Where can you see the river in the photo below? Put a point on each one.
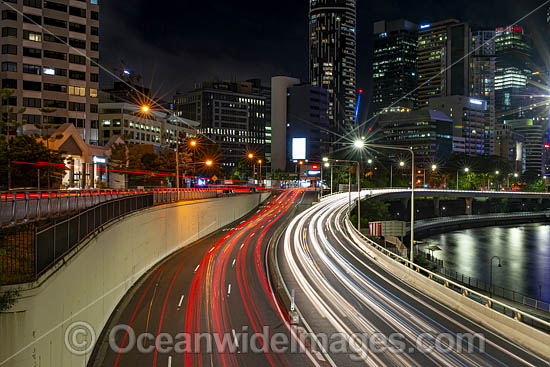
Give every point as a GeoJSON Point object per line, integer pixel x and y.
{"type": "Point", "coordinates": [524, 250]}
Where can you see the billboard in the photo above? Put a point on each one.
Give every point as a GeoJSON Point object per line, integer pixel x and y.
{"type": "Point", "coordinates": [298, 148]}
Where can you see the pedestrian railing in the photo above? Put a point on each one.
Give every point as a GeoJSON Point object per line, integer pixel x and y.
{"type": "Point", "coordinates": [27, 206]}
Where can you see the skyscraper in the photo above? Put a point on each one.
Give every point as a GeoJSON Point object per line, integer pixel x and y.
{"type": "Point", "coordinates": [482, 80]}
{"type": "Point", "coordinates": [49, 59]}
{"type": "Point", "coordinates": [332, 57]}
{"type": "Point", "coordinates": [432, 42]}
{"type": "Point", "coordinates": [394, 70]}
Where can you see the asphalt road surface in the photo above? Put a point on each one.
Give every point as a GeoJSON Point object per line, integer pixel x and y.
{"type": "Point", "coordinates": [340, 291]}
{"type": "Point", "coordinates": [217, 287]}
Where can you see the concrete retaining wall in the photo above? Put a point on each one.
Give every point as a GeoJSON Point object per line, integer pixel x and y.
{"type": "Point", "coordinates": [93, 279]}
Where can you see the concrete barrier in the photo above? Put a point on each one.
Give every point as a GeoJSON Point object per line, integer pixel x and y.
{"type": "Point", "coordinates": [91, 280]}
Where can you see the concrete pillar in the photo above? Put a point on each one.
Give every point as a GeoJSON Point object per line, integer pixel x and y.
{"type": "Point", "coordinates": [469, 204]}
{"type": "Point", "coordinates": [437, 210]}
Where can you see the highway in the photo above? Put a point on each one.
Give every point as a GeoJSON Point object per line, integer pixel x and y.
{"type": "Point", "coordinates": [340, 290]}
{"type": "Point", "coordinates": [217, 286]}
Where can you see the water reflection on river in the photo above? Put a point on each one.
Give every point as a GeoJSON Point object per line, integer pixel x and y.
{"type": "Point", "coordinates": [524, 250]}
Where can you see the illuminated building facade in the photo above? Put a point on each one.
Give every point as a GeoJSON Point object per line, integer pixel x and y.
{"type": "Point", "coordinates": [49, 58]}
{"type": "Point", "coordinates": [394, 70]}
{"type": "Point", "coordinates": [332, 57]}
{"type": "Point", "coordinates": [432, 42]}
{"type": "Point", "coordinates": [232, 114]}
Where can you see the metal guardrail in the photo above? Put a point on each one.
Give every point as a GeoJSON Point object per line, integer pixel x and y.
{"type": "Point", "coordinates": [27, 206]}
{"type": "Point", "coordinates": [496, 305]}
{"type": "Point", "coordinates": [421, 224]}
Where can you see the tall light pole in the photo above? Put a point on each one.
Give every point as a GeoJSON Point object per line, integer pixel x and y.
{"type": "Point", "coordinates": [491, 274]}
{"type": "Point", "coordinates": [360, 144]}
{"type": "Point", "coordinates": [466, 170]}
{"type": "Point", "coordinates": [260, 163]}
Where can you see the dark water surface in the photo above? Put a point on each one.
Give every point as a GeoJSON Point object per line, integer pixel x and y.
{"type": "Point", "coordinates": [524, 250]}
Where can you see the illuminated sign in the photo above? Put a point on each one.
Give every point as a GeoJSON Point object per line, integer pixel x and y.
{"type": "Point", "coordinates": [425, 26]}
{"type": "Point", "coordinates": [313, 172]}
{"type": "Point", "coordinates": [546, 146]}
{"type": "Point", "coordinates": [49, 71]}
{"type": "Point", "coordinates": [298, 148]}
{"type": "Point", "coordinates": [476, 101]}
{"type": "Point", "coordinates": [99, 160]}
{"type": "Point", "coordinates": [315, 166]}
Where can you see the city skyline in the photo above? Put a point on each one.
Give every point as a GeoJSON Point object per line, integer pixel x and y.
{"type": "Point", "coordinates": [229, 47]}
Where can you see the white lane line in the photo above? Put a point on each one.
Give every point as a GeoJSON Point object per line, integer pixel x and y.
{"type": "Point", "coordinates": [197, 268]}
{"type": "Point", "coordinates": [170, 361]}
{"type": "Point", "coordinates": [232, 265]}
{"type": "Point", "coordinates": [181, 300]}
{"type": "Point", "coordinates": [212, 249]}
{"type": "Point", "coordinates": [235, 338]}
{"type": "Point", "coordinates": [252, 235]}
{"type": "Point", "coordinates": [242, 245]}
{"type": "Point", "coordinates": [229, 290]}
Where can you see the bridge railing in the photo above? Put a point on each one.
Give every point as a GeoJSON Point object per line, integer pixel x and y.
{"type": "Point", "coordinates": [460, 289]}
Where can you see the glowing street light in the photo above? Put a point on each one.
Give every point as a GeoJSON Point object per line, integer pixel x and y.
{"type": "Point", "coordinates": [250, 155]}
{"type": "Point", "coordinates": [325, 159]}
{"type": "Point", "coordinates": [497, 173]}
{"type": "Point", "coordinates": [466, 170]}
{"type": "Point", "coordinates": [434, 167]}
{"type": "Point", "coordinates": [193, 143]}
{"type": "Point", "coordinates": [369, 161]}
{"type": "Point", "coordinates": [145, 109]}
{"type": "Point", "coordinates": [401, 164]}
{"type": "Point", "coordinates": [516, 175]}
{"type": "Point", "coordinates": [209, 163]}
{"type": "Point", "coordinates": [327, 164]}
{"type": "Point", "coordinates": [359, 144]}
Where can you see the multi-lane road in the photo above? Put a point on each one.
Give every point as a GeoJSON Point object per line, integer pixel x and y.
{"type": "Point", "coordinates": [211, 304]}
{"type": "Point", "coordinates": [339, 290]}
{"type": "Point", "coordinates": [217, 287]}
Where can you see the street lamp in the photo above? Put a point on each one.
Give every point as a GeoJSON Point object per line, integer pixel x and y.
{"type": "Point", "coordinates": [260, 163]}
{"type": "Point", "coordinates": [466, 170]}
{"type": "Point", "coordinates": [491, 275]}
{"type": "Point", "coordinates": [413, 170]}
{"type": "Point", "coordinates": [369, 161]}
{"type": "Point", "coordinates": [145, 109]}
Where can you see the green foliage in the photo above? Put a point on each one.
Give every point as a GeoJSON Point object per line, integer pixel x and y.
{"type": "Point", "coordinates": [27, 149]}
{"type": "Point", "coordinates": [374, 211]}
{"type": "Point", "coordinates": [537, 186]}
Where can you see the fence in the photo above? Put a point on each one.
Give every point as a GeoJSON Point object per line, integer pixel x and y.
{"type": "Point", "coordinates": [27, 206]}
{"type": "Point", "coordinates": [55, 240]}
{"type": "Point", "coordinates": [495, 290]}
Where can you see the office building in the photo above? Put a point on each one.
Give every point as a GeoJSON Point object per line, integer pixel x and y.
{"type": "Point", "coordinates": [49, 58]}
{"type": "Point", "coordinates": [394, 70]}
{"type": "Point", "coordinates": [482, 80]}
{"type": "Point", "coordinates": [232, 114]}
{"type": "Point", "coordinates": [432, 43]}
{"type": "Point", "coordinates": [332, 57]}
{"type": "Point", "coordinates": [428, 132]}
{"type": "Point", "coordinates": [533, 132]}
{"type": "Point", "coordinates": [456, 61]}
{"type": "Point", "coordinates": [513, 52]}
{"type": "Point", "coordinates": [157, 128]}
{"type": "Point", "coordinates": [299, 111]}
{"type": "Point", "coordinates": [468, 116]}
{"type": "Point", "coordinates": [510, 145]}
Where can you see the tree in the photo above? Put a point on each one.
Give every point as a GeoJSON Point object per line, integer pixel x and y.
{"type": "Point", "coordinates": [8, 126]}
{"type": "Point", "coordinates": [24, 148]}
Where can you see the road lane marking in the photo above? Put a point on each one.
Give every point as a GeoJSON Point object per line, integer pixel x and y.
{"type": "Point", "coordinates": [197, 268]}
{"type": "Point", "coordinates": [242, 245]}
{"type": "Point", "coordinates": [235, 338]}
{"type": "Point", "coordinates": [170, 361]}
{"type": "Point", "coordinates": [181, 300]}
{"type": "Point", "coordinates": [233, 262]}
{"type": "Point", "coordinates": [229, 290]}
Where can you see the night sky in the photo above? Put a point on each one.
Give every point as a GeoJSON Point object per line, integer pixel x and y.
{"type": "Point", "coordinates": [175, 43]}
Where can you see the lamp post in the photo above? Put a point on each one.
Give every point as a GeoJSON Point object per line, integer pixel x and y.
{"type": "Point", "coordinates": [413, 171]}
{"type": "Point", "coordinates": [491, 275]}
{"type": "Point", "coordinates": [466, 170]}
{"type": "Point", "coordinates": [260, 173]}
{"type": "Point", "coordinates": [326, 160]}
